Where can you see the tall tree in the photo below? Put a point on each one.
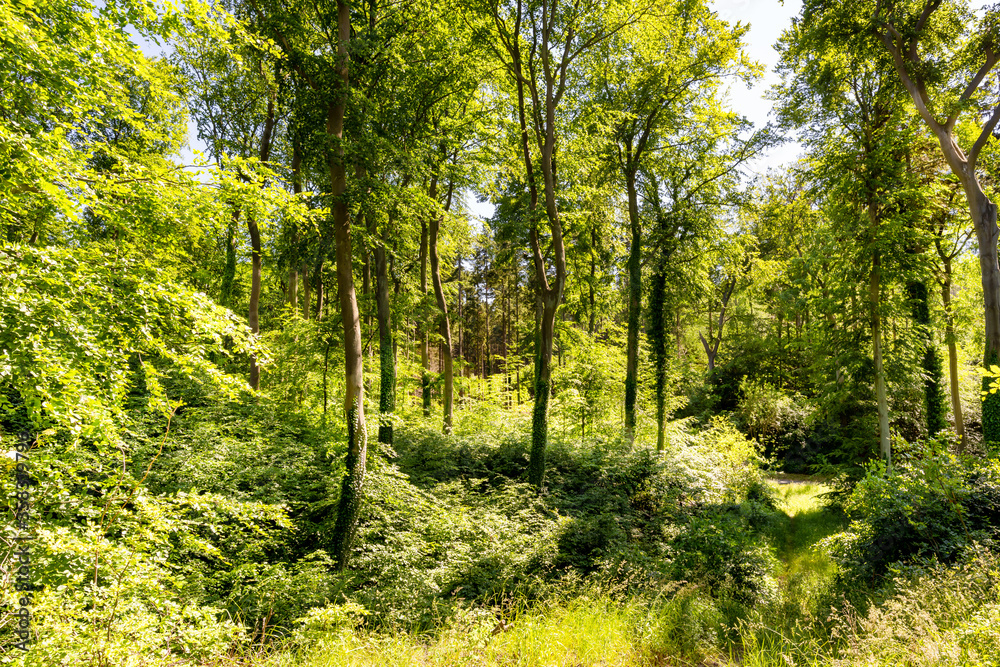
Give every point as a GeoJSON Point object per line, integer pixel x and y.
{"type": "Point", "coordinates": [326, 72]}
{"type": "Point", "coordinates": [539, 42]}
{"type": "Point", "coordinates": [942, 56]}
{"type": "Point", "coordinates": [851, 100]}
{"type": "Point", "coordinates": [649, 76]}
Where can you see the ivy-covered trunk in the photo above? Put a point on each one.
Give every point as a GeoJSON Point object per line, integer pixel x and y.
{"type": "Point", "coordinates": [352, 488]}
{"type": "Point", "coordinates": [543, 384]}
{"type": "Point", "coordinates": [874, 302]}
{"type": "Point", "coordinates": [634, 304]}
{"type": "Point", "coordinates": [658, 343]}
{"type": "Point", "coordinates": [934, 405]}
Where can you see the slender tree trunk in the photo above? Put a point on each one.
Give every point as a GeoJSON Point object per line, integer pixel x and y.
{"type": "Point", "coordinates": [634, 305]}
{"type": "Point", "coordinates": [949, 334]}
{"type": "Point", "coordinates": [934, 405]}
{"type": "Point", "coordinates": [293, 289]}
{"type": "Point", "coordinates": [306, 291]}
{"type": "Point", "coordinates": [592, 324]}
{"type": "Point", "coordinates": [366, 289]}
{"type": "Point", "coordinates": [386, 344]}
{"type": "Point", "coordinates": [253, 316]}
{"type": "Point", "coordinates": [354, 407]}
{"type": "Point", "coordinates": [293, 276]}
{"type": "Point", "coordinates": [320, 290]}
{"type": "Point", "coordinates": [425, 361]}
{"type": "Point", "coordinates": [874, 298]}
{"type": "Point", "coordinates": [445, 324]}
{"type": "Point", "coordinates": [461, 325]}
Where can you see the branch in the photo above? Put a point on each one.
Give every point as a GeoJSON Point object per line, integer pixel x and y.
{"type": "Point", "coordinates": [991, 60]}
{"type": "Point", "coordinates": [984, 137]}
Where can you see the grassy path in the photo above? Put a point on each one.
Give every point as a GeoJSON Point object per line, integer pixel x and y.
{"type": "Point", "coordinates": [805, 572]}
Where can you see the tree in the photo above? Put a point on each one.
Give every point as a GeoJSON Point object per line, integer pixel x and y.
{"type": "Point", "coordinates": [851, 101]}
{"type": "Point", "coordinates": [943, 62]}
{"type": "Point", "coordinates": [649, 78]}
{"type": "Point", "coordinates": [539, 42]}
{"type": "Point", "coordinates": [326, 72]}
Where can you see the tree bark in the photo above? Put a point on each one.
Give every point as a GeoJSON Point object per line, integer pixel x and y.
{"type": "Point", "coordinates": [658, 341]}
{"type": "Point", "coordinates": [445, 324]}
{"type": "Point", "coordinates": [253, 316]}
{"type": "Point", "coordinates": [425, 361]}
{"type": "Point", "coordinates": [592, 324]}
{"type": "Point", "coordinates": [907, 61]}
{"type": "Point", "coordinates": [352, 488]}
{"type": "Point", "coordinates": [293, 275]}
{"type": "Point", "coordinates": [874, 297]}
{"type": "Point", "coordinates": [949, 335]}
{"type": "Point", "coordinates": [634, 305]}
{"type": "Point", "coordinates": [306, 291]}
{"type": "Point", "coordinates": [934, 405]}
{"type": "Point", "coordinates": [386, 344]}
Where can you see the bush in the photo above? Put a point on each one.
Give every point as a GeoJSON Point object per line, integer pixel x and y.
{"type": "Point", "coordinates": [932, 507]}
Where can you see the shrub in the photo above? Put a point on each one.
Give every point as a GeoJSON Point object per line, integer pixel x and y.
{"type": "Point", "coordinates": [932, 506]}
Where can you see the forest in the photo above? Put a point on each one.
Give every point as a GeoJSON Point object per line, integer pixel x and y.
{"type": "Point", "coordinates": [486, 333]}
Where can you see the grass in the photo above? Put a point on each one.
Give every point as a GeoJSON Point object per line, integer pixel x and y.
{"type": "Point", "coordinates": [806, 573]}
{"type": "Point", "coordinates": [945, 616]}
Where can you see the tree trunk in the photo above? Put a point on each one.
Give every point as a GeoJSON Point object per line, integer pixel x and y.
{"type": "Point", "coordinates": [253, 316]}
{"type": "Point", "coordinates": [543, 382]}
{"type": "Point", "coordinates": [874, 297]}
{"type": "Point", "coordinates": [445, 324]}
{"type": "Point", "coordinates": [981, 208]}
{"type": "Point", "coordinates": [386, 345]}
{"type": "Point", "coordinates": [320, 290]}
{"type": "Point", "coordinates": [425, 361]}
{"type": "Point", "coordinates": [934, 405]}
{"type": "Point", "coordinates": [985, 219]}
{"type": "Point", "coordinates": [354, 407]}
{"type": "Point", "coordinates": [592, 324]}
{"type": "Point", "coordinates": [658, 341]}
{"type": "Point", "coordinates": [306, 291]}
{"type": "Point", "coordinates": [949, 335]}
{"type": "Point", "coordinates": [634, 304]}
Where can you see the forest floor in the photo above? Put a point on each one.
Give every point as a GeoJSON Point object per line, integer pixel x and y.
{"type": "Point", "coordinates": [592, 631]}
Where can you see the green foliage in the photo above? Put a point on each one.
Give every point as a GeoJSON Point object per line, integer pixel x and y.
{"type": "Point", "coordinates": [75, 320]}
{"type": "Point", "coordinates": [991, 402]}
{"type": "Point", "coordinates": [933, 506]}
